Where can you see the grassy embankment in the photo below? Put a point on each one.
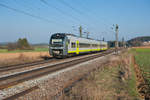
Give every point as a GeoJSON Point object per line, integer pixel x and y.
{"type": "Point", "coordinates": [114, 81]}
{"type": "Point", "coordinates": [142, 58]}
{"type": "Point", "coordinates": [38, 49]}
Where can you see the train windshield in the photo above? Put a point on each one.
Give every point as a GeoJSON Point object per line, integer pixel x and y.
{"type": "Point", "coordinates": [57, 40]}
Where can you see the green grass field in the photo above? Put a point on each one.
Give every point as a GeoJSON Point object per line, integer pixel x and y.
{"type": "Point", "coordinates": [15, 51]}
{"type": "Point", "coordinates": [142, 57]}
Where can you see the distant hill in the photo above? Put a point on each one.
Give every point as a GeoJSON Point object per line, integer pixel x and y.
{"type": "Point", "coordinates": [3, 43]}
{"type": "Point", "coordinates": [138, 41]}
{"type": "Point", "coordinates": [36, 44]}
{"type": "Point", "coordinates": [40, 44]}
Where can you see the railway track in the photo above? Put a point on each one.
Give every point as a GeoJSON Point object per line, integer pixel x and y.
{"type": "Point", "coordinates": [14, 79]}
{"type": "Point", "coordinates": [30, 64]}
{"type": "Point", "coordinates": [23, 65]}
{"type": "Point", "coordinates": [11, 80]}
{"type": "Point", "coordinates": [13, 97]}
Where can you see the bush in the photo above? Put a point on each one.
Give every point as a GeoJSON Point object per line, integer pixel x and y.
{"type": "Point", "coordinates": [21, 44]}
{"type": "Point", "coordinates": [12, 46]}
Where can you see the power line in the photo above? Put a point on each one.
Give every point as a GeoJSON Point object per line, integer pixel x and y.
{"type": "Point", "coordinates": [30, 8]}
{"type": "Point", "coordinates": [65, 13]}
{"type": "Point", "coordinates": [26, 13]}
{"type": "Point", "coordinates": [93, 13]}
{"type": "Point", "coordinates": [61, 11]}
{"type": "Point", "coordinates": [74, 9]}
{"type": "Point", "coordinates": [67, 4]}
{"type": "Point", "coordinates": [80, 12]}
{"type": "Point", "coordinates": [22, 4]}
{"type": "Point", "coordinates": [71, 7]}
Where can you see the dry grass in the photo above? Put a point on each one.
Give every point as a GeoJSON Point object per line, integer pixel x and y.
{"type": "Point", "coordinates": [107, 83]}
{"type": "Point", "coordinates": [16, 58]}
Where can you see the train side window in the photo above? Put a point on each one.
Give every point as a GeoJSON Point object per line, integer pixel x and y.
{"type": "Point", "coordinates": [68, 41]}
{"type": "Point", "coordinates": [94, 45]}
{"type": "Point", "coordinates": [102, 45]}
{"type": "Point", "coordinates": [84, 45]}
{"type": "Point", "coordinates": [73, 45]}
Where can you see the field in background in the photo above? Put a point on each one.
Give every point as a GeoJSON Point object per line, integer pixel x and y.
{"type": "Point", "coordinates": [37, 49]}
{"type": "Point", "coordinates": [23, 56]}
{"type": "Point", "coordinates": [142, 57]}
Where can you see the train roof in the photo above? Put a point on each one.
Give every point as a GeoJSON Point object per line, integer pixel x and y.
{"type": "Point", "coordinates": [68, 34]}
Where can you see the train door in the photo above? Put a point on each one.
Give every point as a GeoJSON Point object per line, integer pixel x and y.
{"type": "Point", "coordinates": [66, 45]}
{"type": "Point", "coordinates": [100, 46]}
{"type": "Point", "coordinates": [77, 47]}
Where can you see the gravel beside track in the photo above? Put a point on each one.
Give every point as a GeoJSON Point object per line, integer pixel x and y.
{"type": "Point", "coordinates": [41, 81]}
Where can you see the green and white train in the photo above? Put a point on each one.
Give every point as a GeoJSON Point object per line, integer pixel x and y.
{"type": "Point", "coordinates": [63, 45]}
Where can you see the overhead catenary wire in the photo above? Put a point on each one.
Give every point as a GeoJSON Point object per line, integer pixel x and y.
{"type": "Point", "coordinates": [96, 18]}
{"type": "Point", "coordinates": [31, 8]}
{"type": "Point", "coordinates": [61, 11]}
{"type": "Point", "coordinates": [38, 17]}
{"type": "Point", "coordinates": [68, 5]}
{"type": "Point", "coordinates": [72, 8]}
{"type": "Point", "coordinates": [88, 15]}
{"type": "Point", "coordinates": [26, 13]}
{"type": "Point", "coordinates": [64, 13]}
{"type": "Point", "coordinates": [81, 12]}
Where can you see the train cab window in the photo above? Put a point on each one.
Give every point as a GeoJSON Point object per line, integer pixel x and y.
{"type": "Point", "coordinates": [57, 40]}
{"type": "Point", "coordinates": [73, 45]}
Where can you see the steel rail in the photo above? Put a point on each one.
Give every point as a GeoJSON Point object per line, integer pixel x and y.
{"type": "Point", "coordinates": [29, 64]}
{"type": "Point", "coordinates": [14, 79]}
{"type": "Point", "coordinates": [23, 65]}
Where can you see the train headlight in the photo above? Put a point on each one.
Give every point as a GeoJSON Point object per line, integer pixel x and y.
{"type": "Point", "coordinates": [56, 52]}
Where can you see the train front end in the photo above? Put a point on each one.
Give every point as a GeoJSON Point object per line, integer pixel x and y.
{"type": "Point", "coordinates": [57, 45]}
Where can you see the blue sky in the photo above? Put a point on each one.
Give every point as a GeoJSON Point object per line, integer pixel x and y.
{"type": "Point", "coordinates": [95, 16]}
